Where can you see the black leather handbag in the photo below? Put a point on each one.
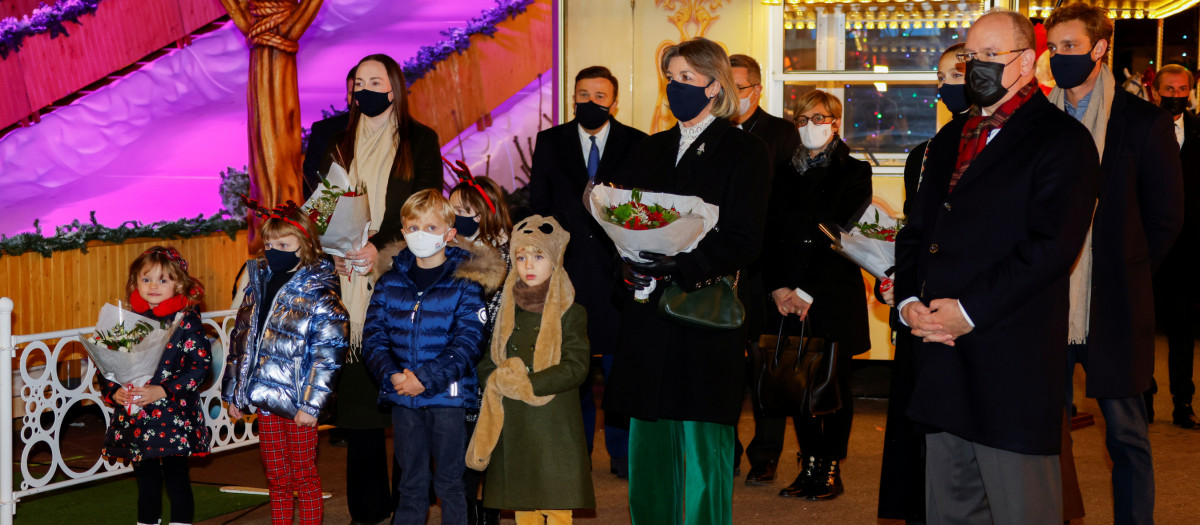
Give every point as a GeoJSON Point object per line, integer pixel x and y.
{"type": "Point", "coordinates": [799, 376]}
{"type": "Point", "coordinates": [714, 307]}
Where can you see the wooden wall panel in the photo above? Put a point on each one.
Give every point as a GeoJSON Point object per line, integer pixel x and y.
{"type": "Point", "coordinates": [199, 13]}
{"type": "Point", "coordinates": [14, 102]}
{"type": "Point", "coordinates": [118, 34]}
{"type": "Point", "coordinates": [464, 88]}
{"type": "Point", "coordinates": [67, 290]}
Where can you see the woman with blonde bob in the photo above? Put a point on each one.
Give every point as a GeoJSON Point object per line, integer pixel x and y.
{"type": "Point", "coordinates": [679, 383]}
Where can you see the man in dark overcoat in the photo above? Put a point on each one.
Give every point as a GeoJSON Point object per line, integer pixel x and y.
{"type": "Point", "coordinates": [782, 140]}
{"type": "Point", "coordinates": [982, 279]}
{"type": "Point", "coordinates": [1174, 299]}
{"type": "Point", "coordinates": [592, 147]}
{"type": "Point", "coordinates": [1138, 215]}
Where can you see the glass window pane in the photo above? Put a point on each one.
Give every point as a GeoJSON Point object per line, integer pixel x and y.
{"type": "Point", "coordinates": [799, 48]}
{"type": "Point", "coordinates": [897, 48]}
{"type": "Point", "coordinates": [891, 121]}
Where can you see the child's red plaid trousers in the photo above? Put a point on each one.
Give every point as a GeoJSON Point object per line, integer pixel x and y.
{"type": "Point", "coordinates": [289, 455]}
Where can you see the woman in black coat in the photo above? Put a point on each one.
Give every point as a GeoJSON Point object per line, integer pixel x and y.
{"type": "Point", "coordinates": [393, 156]}
{"type": "Point", "coordinates": [681, 385]}
{"type": "Point", "coordinates": [821, 184]}
{"type": "Point", "coordinates": [902, 474]}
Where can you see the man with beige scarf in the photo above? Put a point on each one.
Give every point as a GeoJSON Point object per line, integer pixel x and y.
{"type": "Point", "coordinates": [1138, 215]}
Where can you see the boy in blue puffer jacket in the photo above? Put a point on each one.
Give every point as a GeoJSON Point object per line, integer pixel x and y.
{"type": "Point", "coordinates": [421, 341]}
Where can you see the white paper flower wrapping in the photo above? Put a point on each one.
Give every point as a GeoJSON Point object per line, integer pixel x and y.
{"type": "Point", "coordinates": [696, 218]}
{"type": "Point", "coordinates": [137, 365]}
{"type": "Point", "coordinates": [351, 219]}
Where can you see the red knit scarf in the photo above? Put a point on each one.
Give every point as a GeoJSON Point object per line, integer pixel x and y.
{"type": "Point", "coordinates": [165, 308]}
{"type": "Point", "coordinates": [978, 128]}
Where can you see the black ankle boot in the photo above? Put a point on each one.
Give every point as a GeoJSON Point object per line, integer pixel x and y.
{"type": "Point", "coordinates": [804, 480]}
{"type": "Point", "coordinates": [827, 481]}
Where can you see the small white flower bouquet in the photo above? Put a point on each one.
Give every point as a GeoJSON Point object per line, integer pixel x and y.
{"type": "Point", "coordinates": [127, 347]}
{"type": "Point", "coordinates": [341, 212]}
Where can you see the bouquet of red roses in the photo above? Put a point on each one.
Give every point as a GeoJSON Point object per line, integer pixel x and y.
{"type": "Point", "coordinates": [870, 245]}
{"type": "Point", "coordinates": [341, 212]}
{"type": "Point", "coordinates": [641, 221]}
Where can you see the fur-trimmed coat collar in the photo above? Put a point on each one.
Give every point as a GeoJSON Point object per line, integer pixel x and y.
{"type": "Point", "coordinates": [484, 265]}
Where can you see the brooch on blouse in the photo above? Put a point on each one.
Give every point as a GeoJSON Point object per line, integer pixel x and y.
{"type": "Point", "coordinates": [700, 150]}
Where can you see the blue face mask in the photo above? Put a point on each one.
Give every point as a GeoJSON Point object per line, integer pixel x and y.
{"type": "Point", "coordinates": [466, 226]}
{"type": "Point", "coordinates": [954, 96]}
{"type": "Point", "coordinates": [281, 261]}
{"type": "Point", "coordinates": [1071, 70]}
{"type": "Point", "coordinates": [686, 100]}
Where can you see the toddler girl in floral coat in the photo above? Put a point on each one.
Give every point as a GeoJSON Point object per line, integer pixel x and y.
{"type": "Point", "coordinates": [170, 425]}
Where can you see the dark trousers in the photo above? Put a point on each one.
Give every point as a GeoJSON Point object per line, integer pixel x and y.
{"type": "Point", "coordinates": [422, 434]}
{"type": "Point", "coordinates": [616, 426]}
{"type": "Point", "coordinates": [828, 436]}
{"type": "Point", "coordinates": [767, 443]}
{"type": "Point", "coordinates": [151, 475]}
{"type": "Point", "coordinates": [1174, 312]}
{"type": "Point", "coordinates": [369, 495]}
{"type": "Point", "coordinates": [1128, 441]}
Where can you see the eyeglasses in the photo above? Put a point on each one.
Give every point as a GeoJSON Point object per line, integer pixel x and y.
{"type": "Point", "coordinates": [987, 55]}
{"type": "Point", "coordinates": [743, 88]}
{"type": "Point", "coordinates": [802, 120]}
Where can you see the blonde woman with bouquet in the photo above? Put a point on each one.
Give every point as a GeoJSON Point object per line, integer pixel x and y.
{"type": "Point", "coordinates": [675, 380]}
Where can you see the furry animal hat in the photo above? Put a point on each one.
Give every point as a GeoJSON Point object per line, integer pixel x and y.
{"type": "Point", "coordinates": [511, 378]}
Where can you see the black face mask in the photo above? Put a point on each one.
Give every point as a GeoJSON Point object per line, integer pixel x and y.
{"type": "Point", "coordinates": [686, 100]}
{"type": "Point", "coordinates": [1173, 105]}
{"type": "Point", "coordinates": [954, 97]}
{"type": "Point", "coordinates": [466, 226]}
{"type": "Point", "coordinates": [985, 82]}
{"type": "Point", "coordinates": [1071, 70]}
{"type": "Point", "coordinates": [372, 103]}
{"type": "Point", "coordinates": [281, 261]}
{"type": "Point", "coordinates": [591, 115]}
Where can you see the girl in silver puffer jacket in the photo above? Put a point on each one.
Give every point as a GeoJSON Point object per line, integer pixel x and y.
{"type": "Point", "coordinates": [285, 354]}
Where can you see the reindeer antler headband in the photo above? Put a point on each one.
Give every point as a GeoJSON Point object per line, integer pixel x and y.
{"type": "Point", "coordinates": [280, 212]}
{"type": "Point", "coordinates": [464, 175]}
{"type": "Point", "coordinates": [170, 254]}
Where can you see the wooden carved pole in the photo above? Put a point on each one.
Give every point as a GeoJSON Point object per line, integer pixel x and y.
{"type": "Point", "coordinates": [272, 29]}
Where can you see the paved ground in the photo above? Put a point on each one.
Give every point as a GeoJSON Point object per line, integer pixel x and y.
{"type": "Point", "coordinates": [1175, 457]}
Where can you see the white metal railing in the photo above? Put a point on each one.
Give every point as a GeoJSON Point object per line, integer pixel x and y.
{"type": "Point", "coordinates": [47, 396]}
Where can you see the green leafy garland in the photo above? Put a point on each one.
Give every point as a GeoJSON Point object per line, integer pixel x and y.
{"type": "Point", "coordinates": [75, 236]}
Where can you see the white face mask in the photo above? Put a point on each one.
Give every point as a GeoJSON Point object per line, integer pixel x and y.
{"type": "Point", "coordinates": [816, 136]}
{"type": "Point", "coordinates": [424, 244]}
{"type": "Point", "coordinates": [743, 105]}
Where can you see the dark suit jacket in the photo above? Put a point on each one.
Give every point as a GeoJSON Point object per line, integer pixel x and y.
{"type": "Point", "coordinates": [1002, 243]}
{"type": "Point", "coordinates": [318, 145]}
{"type": "Point", "coordinates": [797, 254]}
{"type": "Point", "coordinates": [782, 140]}
{"type": "Point", "coordinates": [778, 134]}
{"type": "Point", "coordinates": [664, 369]}
{"type": "Point", "coordinates": [427, 173]}
{"type": "Point", "coordinates": [557, 181]}
{"type": "Point", "coordinates": [1180, 261]}
{"type": "Point", "coordinates": [1139, 214]}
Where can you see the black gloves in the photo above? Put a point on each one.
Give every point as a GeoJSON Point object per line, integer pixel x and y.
{"type": "Point", "coordinates": [633, 280]}
{"type": "Point", "coordinates": [660, 266]}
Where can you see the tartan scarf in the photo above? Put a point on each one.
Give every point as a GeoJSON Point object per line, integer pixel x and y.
{"type": "Point", "coordinates": [978, 128]}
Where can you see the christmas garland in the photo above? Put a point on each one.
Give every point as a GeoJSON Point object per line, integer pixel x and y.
{"type": "Point", "coordinates": [459, 39]}
{"type": "Point", "coordinates": [44, 19]}
{"type": "Point", "coordinates": [75, 236]}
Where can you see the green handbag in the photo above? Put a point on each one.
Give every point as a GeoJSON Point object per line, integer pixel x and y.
{"type": "Point", "coordinates": [714, 307]}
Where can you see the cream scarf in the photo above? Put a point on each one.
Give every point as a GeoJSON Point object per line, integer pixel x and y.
{"type": "Point", "coordinates": [1095, 118]}
{"type": "Point", "coordinates": [374, 152]}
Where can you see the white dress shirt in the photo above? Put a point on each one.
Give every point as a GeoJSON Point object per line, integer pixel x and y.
{"type": "Point", "coordinates": [1179, 131]}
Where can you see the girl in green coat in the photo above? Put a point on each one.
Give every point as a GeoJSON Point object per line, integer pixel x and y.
{"type": "Point", "coordinates": [530, 428]}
